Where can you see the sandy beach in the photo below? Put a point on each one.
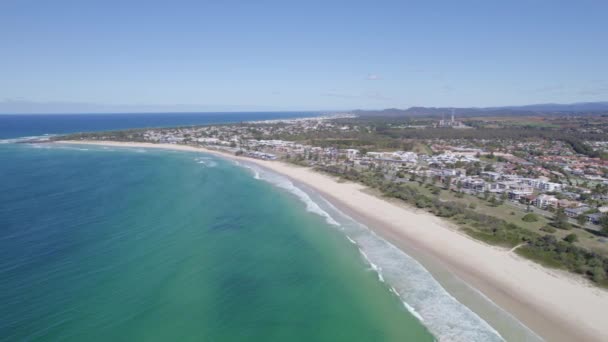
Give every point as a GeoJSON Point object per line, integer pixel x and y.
{"type": "Point", "coordinates": [555, 305]}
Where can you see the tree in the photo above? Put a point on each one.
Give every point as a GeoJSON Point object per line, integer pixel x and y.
{"type": "Point", "coordinates": [448, 182]}
{"type": "Point", "coordinates": [581, 220]}
{"type": "Point", "coordinates": [560, 220]}
{"type": "Point", "coordinates": [598, 274]}
{"type": "Point", "coordinates": [504, 196]}
{"type": "Point", "coordinates": [493, 201]}
{"type": "Point", "coordinates": [604, 223]}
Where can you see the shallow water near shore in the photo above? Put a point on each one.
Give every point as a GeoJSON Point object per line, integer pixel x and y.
{"type": "Point", "coordinates": [103, 243]}
{"type": "Point", "coordinates": [434, 295]}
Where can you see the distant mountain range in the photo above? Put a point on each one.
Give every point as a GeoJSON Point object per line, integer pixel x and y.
{"type": "Point", "coordinates": [535, 109]}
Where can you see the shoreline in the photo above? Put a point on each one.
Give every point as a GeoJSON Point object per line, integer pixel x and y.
{"type": "Point", "coordinates": [555, 305]}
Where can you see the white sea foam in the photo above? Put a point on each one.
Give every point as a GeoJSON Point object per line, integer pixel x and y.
{"type": "Point", "coordinates": [254, 170]}
{"type": "Point", "coordinates": [60, 147]}
{"type": "Point", "coordinates": [420, 293]}
{"type": "Point", "coordinates": [43, 137]}
{"type": "Point", "coordinates": [286, 184]}
{"type": "Point", "coordinates": [411, 310]}
{"type": "Point", "coordinates": [373, 266]}
{"type": "Point", "coordinates": [73, 148]}
{"type": "Point", "coordinates": [207, 162]}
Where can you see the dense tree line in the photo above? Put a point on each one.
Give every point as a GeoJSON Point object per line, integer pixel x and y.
{"type": "Point", "coordinates": [582, 148]}
{"type": "Point", "coordinates": [510, 133]}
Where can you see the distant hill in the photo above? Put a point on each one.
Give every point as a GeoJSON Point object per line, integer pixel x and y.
{"type": "Point", "coordinates": [535, 109]}
{"type": "Point", "coordinates": [573, 107]}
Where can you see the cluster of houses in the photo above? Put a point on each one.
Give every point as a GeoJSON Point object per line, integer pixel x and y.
{"type": "Point", "coordinates": [260, 155]}
{"type": "Point", "coordinates": [450, 162]}
{"type": "Point", "coordinates": [398, 157]}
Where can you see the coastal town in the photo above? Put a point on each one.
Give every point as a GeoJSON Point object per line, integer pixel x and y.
{"type": "Point", "coordinates": [304, 171]}
{"type": "Point", "coordinates": [543, 191]}
{"type": "Point", "coordinates": [516, 174]}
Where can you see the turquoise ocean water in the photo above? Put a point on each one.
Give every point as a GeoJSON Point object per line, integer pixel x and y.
{"type": "Point", "coordinates": [130, 244]}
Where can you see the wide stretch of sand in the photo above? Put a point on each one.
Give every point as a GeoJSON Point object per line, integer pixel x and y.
{"type": "Point", "coordinates": [555, 305]}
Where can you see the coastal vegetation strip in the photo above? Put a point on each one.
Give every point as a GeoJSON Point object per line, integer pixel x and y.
{"type": "Point", "coordinates": [543, 248]}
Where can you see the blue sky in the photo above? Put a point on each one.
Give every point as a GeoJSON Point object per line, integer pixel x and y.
{"type": "Point", "coordinates": [300, 55]}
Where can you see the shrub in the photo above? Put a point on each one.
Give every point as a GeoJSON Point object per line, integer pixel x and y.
{"type": "Point", "coordinates": [530, 217]}
{"type": "Point", "coordinates": [548, 229]}
{"type": "Point", "coordinates": [571, 238]}
{"type": "Point", "coordinates": [598, 274]}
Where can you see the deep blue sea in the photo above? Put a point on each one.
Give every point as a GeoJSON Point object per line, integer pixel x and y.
{"type": "Point", "coordinates": [131, 244]}
{"type": "Point", "coordinates": [23, 125]}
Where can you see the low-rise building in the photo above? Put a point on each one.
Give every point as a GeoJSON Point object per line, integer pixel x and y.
{"type": "Point", "coordinates": [575, 212]}
{"type": "Point", "coordinates": [594, 218]}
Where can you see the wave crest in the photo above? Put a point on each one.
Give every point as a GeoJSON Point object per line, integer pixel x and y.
{"type": "Point", "coordinates": [286, 184]}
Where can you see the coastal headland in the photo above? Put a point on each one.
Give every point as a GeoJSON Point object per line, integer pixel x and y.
{"type": "Point", "coordinates": [554, 304]}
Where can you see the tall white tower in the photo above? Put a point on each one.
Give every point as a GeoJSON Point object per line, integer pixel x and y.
{"type": "Point", "coordinates": [452, 115]}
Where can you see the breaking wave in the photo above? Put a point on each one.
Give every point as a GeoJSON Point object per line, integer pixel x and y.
{"type": "Point", "coordinates": [41, 138]}
{"type": "Point", "coordinates": [206, 161]}
{"type": "Point", "coordinates": [286, 184]}
{"type": "Point", "coordinates": [421, 294]}
{"type": "Point", "coordinates": [254, 170]}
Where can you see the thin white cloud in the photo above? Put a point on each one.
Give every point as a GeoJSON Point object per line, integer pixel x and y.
{"type": "Point", "coordinates": [373, 77]}
{"type": "Point", "coordinates": [340, 95]}
{"type": "Point", "coordinates": [368, 95]}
